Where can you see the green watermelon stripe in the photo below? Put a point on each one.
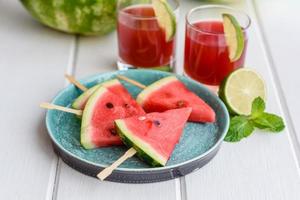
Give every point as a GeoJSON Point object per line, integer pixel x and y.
{"type": "Point", "coordinates": [41, 10]}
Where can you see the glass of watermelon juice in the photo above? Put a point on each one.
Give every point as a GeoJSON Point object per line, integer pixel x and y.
{"type": "Point", "coordinates": [141, 41]}
{"type": "Point", "coordinates": [206, 56]}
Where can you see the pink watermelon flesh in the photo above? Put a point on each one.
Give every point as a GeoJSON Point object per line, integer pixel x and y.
{"type": "Point", "coordinates": [169, 93]}
{"type": "Point", "coordinates": [154, 135]}
{"type": "Point", "coordinates": [102, 108]}
{"type": "Point", "coordinates": [132, 107]}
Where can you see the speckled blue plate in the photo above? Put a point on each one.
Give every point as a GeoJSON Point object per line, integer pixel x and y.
{"type": "Point", "coordinates": [198, 144]}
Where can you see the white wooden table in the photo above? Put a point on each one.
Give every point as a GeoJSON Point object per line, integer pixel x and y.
{"type": "Point", "coordinates": [33, 60]}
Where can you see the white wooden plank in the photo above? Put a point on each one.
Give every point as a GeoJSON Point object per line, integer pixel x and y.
{"type": "Point", "coordinates": [97, 55]}
{"type": "Point", "coordinates": [73, 185]}
{"type": "Point", "coordinates": [32, 62]}
{"type": "Point", "coordinates": [280, 25]}
{"type": "Point", "coordinates": [260, 167]}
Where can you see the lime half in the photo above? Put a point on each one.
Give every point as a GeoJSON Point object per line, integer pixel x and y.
{"type": "Point", "coordinates": [234, 37]}
{"type": "Point", "coordinates": [239, 90]}
{"type": "Point", "coordinates": [165, 17]}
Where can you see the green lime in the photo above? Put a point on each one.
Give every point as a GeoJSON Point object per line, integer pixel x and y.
{"type": "Point", "coordinates": [234, 37]}
{"type": "Point", "coordinates": [239, 90]}
{"type": "Point", "coordinates": [165, 17]}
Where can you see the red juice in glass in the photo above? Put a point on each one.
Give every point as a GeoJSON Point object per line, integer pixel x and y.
{"type": "Point", "coordinates": [141, 41]}
{"type": "Point", "coordinates": [206, 56]}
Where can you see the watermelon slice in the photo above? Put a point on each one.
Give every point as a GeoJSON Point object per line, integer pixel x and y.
{"type": "Point", "coordinates": [154, 135]}
{"type": "Point", "coordinates": [169, 93]}
{"type": "Point", "coordinates": [101, 109]}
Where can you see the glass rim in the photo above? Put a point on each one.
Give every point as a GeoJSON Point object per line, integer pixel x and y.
{"type": "Point", "coordinates": [145, 18]}
{"type": "Point", "coordinates": [215, 6]}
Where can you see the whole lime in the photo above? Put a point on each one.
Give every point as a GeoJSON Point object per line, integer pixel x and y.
{"type": "Point", "coordinates": [86, 17]}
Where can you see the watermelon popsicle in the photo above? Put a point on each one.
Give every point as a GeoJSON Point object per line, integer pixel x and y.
{"type": "Point", "coordinates": [152, 137]}
{"type": "Point", "coordinates": [102, 104]}
{"type": "Point", "coordinates": [101, 108]}
{"type": "Point", "coordinates": [170, 93]}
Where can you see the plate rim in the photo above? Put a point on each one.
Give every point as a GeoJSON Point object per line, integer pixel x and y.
{"type": "Point", "coordinates": [112, 73]}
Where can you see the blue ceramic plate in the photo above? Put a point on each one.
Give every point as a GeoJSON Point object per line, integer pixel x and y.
{"type": "Point", "coordinates": [198, 144]}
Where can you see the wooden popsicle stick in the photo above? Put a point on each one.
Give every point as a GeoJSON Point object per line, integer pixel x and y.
{"type": "Point", "coordinates": [133, 82]}
{"type": "Point", "coordinates": [61, 108]}
{"type": "Point", "coordinates": [108, 170]}
{"type": "Point", "coordinates": [75, 82]}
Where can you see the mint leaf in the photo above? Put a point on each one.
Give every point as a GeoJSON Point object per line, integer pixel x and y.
{"type": "Point", "coordinates": [239, 128]}
{"type": "Point", "coordinates": [258, 107]}
{"type": "Point", "coordinates": [270, 122]}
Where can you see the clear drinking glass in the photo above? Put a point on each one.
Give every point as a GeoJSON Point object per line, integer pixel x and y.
{"type": "Point", "coordinates": [141, 41]}
{"type": "Point", "coordinates": [206, 56]}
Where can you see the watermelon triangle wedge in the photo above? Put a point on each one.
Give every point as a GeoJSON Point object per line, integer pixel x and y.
{"type": "Point", "coordinates": [154, 135]}
{"type": "Point", "coordinates": [170, 93]}
{"type": "Point", "coordinates": [101, 109]}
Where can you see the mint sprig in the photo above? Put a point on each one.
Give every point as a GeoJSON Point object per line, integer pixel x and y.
{"type": "Point", "coordinates": [241, 126]}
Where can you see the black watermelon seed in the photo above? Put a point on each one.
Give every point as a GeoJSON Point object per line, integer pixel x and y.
{"type": "Point", "coordinates": [113, 131]}
{"type": "Point", "coordinates": [180, 104]}
{"type": "Point", "coordinates": [109, 105]}
{"type": "Point", "coordinates": [126, 105]}
{"type": "Point", "coordinates": [156, 122]}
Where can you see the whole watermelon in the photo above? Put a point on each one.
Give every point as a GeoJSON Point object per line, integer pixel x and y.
{"type": "Point", "coordinates": [86, 17]}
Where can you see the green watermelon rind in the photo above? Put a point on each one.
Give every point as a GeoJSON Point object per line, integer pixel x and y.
{"type": "Point", "coordinates": [79, 101]}
{"type": "Point", "coordinates": [89, 17]}
{"type": "Point", "coordinates": [85, 138]}
{"type": "Point", "coordinates": [144, 151]}
{"type": "Point", "coordinates": [110, 82]}
{"type": "Point", "coordinates": [142, 96]}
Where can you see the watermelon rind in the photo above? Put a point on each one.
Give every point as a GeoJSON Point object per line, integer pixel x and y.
{"type": "Point", "coordinates": [110, 83]}
{"type": "Point", "coordinates": [142, 96]}
{"type": "Point", "coordinates": [85, 132]}
{"type": "Point", "coordinates": [79, 101]}
{"type": "Point", "coordinates": [144, 150]}
{"type": "Point", "coordinates": [85, 17]}
{"type": "Point", "coordinates": [82, 99]}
